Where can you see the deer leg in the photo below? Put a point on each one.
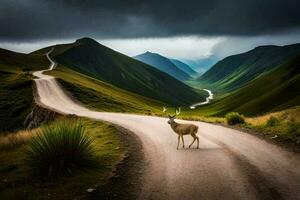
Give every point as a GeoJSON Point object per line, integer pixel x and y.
{"type": "Point", "coordinates": [182, 141]}
{"type": "Point", "coordinates": [197, 142]}
{"type": "Point", "coordinates": [193, 141]}
{"type": "Point", "coordinates": [178, 138]}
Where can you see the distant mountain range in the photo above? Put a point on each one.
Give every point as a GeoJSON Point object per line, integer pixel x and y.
{"type": "Point", "coordinates": [201, 65]}
{"type": "Point", "coordinates": [235, 71]}
{"type": "Point", "coordinates": [93, 59]}
{"type": "Point", "coordinates": [166, 65]}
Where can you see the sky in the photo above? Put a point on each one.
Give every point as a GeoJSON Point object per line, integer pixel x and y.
{"type": "Point", "coordinates": [190, 29]}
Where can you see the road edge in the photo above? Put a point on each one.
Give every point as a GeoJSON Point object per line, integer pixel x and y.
{"type": "Point", "coordinates": [126, 181]}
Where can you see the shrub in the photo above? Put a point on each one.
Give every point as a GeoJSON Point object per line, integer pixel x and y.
{"type": "Point", "coordinates": [294, 128]}
{"type": "Point", "coordinates": [272, 121]}
{"type": "Point", "coordinates": [234, 118]}
{"type": "Point", "coordinates": [60, 148]}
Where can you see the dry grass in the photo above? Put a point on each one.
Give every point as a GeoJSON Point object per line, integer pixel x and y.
{"type": "Point", "coordinates": [292, 114]}
{"type": "Point", "coordinates": [284, 125]}
{"type": "Point", "coordinates": [218, 120]}
{"type": "Point", "coordinates": [14, 140]}
{"type": "Point", "coordinates": [260, 120]}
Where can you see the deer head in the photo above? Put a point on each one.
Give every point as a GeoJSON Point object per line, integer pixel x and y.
{"type": "Point", "coordinates": [172, 117]}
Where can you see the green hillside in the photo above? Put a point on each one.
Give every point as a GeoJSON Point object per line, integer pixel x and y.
{"type": "Point", "coordinates": [163, 64]}
{"type": "Point", "coordinates": [274, 91]}
{"type": "Point", "coordinates": [103, 96]}
{"type": "Point", "coordinates": [234, 71]}
{"type": "Point", "coordinates": [88, 57]}
{"type": "Point", "coordinates": [16, 94]}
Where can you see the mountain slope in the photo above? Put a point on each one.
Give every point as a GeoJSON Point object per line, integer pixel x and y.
{"type": "Point", "coordinates": [274, 91]}
{"type": "Point", "coordinates": [93, 59]}
{"type": "Point", "coordinates": [103, 96]}
{"type": "Point", "coordinates": [184, 67]}
{"type": "Point", "coordinates": [163, 64]}
{"type": "Point", "coordinates": [16, 93]}
{"type": "Point", "coordinates": [234, 71]}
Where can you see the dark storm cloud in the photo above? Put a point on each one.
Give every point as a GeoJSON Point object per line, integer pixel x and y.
{"type": "Point", "coordinates": [41, 19]}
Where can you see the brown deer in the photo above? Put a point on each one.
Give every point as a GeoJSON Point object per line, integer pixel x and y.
{"type": "Point", "coordinates": [183, 129]}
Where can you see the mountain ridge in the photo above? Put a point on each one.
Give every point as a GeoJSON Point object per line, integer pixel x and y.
{"type": "Point", "coordinates": [163, 64]}
{"type": "Point", "coordinates": [89, 57]}
{"type": "Point", "coordinates": [274, 91]}
{"type": "Point", "coordinates": [235, 71]}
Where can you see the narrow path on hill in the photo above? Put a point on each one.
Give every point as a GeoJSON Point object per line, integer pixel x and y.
{"type": "Point", "coordinates": [229, 164]}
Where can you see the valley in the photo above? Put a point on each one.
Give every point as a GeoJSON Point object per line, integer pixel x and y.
{"type": "Point", "coordinates": [149, 100]}
{"type": "Point", "coordinates": [72, 88]}
{"type": "Point", "coordinates": [226, 143]}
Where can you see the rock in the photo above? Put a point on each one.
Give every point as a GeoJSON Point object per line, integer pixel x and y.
{"type": "Point", "coordinates": [275, 136]}
{"type": "Point", "coordinates": [38, 116]}
{"type": "Point", "coordinates": [90, 190]}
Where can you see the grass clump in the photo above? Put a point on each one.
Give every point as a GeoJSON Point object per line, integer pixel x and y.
{"type": "Point", "coordinates": [234, 118]}
{"type": "Point", "coordinates": [272, 121]}
{"type": "Point", "coordinates": [60, 148]}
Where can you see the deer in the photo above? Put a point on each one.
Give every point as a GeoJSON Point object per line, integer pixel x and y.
{"type": "Point", "coordinates": [182, 129]}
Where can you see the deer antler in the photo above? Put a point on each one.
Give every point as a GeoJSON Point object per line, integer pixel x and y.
{"type": "Point", "coordinates": [164, 109]}
{"type": "Point", "coordinates": [177, 111]}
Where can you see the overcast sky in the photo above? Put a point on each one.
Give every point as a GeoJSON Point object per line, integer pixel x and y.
{"type": "Point", "coordinates": [180, 29]}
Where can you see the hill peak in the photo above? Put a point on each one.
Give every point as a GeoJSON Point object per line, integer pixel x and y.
{"type": "Point", "coordinates": [264, 47]}
{"type": "Point", "coordinates": [86, 40]}
{"type": "Point", "coordinates": [149, 53]}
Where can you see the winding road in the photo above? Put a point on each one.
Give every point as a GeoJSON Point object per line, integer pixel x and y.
{"type": "Point", "coordinates": [229, 164]}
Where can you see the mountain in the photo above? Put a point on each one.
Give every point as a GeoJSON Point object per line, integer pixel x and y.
{"type": "Point", "coordinates": [274, 91]}
{"type": "Point", "coordinates": [163, 64]}
{"type": "Point", "coordinates": [235, 71]}
{"type": "Point", "coordinates": [88, 57]}
{"type": "Point", "coordinates": [184, 67]}
{"type": "Point", "coordinates": [201, 65]}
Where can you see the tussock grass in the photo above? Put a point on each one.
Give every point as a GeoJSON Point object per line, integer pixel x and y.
{"type": "Point", "coordinates": [60, 148]}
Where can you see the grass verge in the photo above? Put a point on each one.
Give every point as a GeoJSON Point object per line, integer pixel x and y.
{"type": "Point", "coordinates": [280, 127]}
{"type": "Point", "coordinates": [18, 181]}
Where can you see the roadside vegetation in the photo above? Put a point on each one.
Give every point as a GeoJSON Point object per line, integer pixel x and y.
{"type": "Point", "coordinates": [61, 160]}
{"type": "Point", "coordinates": [281, 126]}
{"type": "Point", "coordinates": [61, 148]}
